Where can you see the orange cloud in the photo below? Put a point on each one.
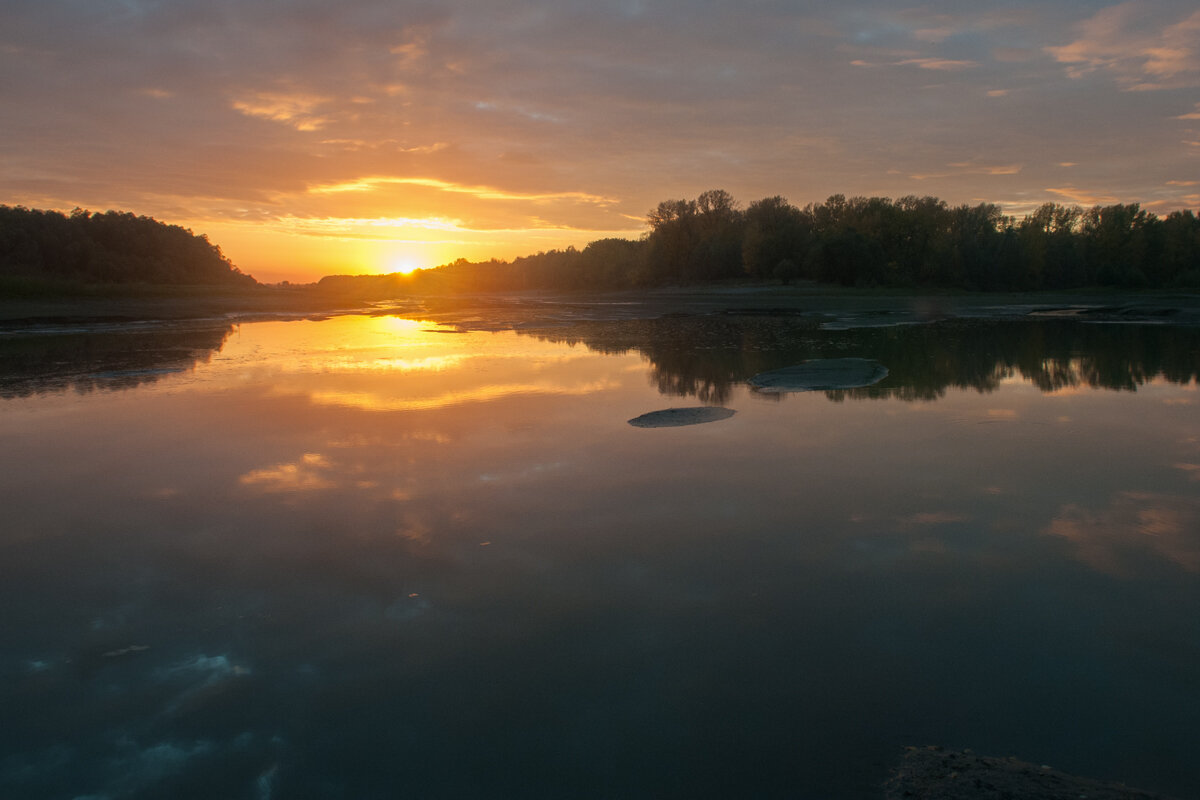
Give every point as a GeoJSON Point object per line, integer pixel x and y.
{"type": "Point", "coordinates": [941, 64]}
{"type": "Point", "coordinates": [1081, 196]}
{"type": "Point", "coordinates": [1192, 470]}
{"type": "Point", "coordinates": [293, 109]}
{"type": "Point", "coordinates": [1109, 40]}
{"type": "Point", "coordinates": [969, 168]}
{"type": "Point", "coordinates": [481, 192]}
{"type": "Point", "coordinates": [979, 169]}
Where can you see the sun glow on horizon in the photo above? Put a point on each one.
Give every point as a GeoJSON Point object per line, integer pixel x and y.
{"type": "Point", "coordinates": [404, 265]}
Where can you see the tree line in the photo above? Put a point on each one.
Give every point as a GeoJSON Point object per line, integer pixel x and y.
{"type": "Point", "coordinates": [913, 242]}
{"type": "Point", "coordinates": [109, 247]}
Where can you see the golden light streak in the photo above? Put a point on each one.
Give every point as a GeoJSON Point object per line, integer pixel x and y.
{"type": "Point", "coordinates": [345, 226]}
{"type": "Point", "coordinates": [370, 401]}
{"type": "Point", "coordinates": [480, 192]}
{"type": "Point", "coordinates": [426, 364]}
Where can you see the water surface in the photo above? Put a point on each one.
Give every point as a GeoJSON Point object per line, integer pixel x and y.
{"type": "Point", "coordinates": [377, 557]}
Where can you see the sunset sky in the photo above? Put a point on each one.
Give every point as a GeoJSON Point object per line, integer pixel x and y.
{"type": "Point", "coordinates": [308, 137]}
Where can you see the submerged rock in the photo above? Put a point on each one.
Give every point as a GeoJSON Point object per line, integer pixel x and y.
{"type": "Point", "coordinates": [821, 374]}
{"type": "Point", "coordinates": [676, 417]}
{"type": "Point", "coordinates": [931, 773]}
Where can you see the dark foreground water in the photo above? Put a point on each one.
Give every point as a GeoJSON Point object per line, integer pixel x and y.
{"type": "Point", "coordinates": [370, 558]}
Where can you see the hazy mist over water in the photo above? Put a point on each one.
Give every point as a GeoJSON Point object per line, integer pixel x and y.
{"type": "Point", "coordinates": [374, 557]}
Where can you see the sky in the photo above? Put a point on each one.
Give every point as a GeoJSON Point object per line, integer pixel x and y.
{"type": "Point", "coordinates": [309, 138]}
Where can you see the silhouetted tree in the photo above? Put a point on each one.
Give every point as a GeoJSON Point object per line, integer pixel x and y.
{"type": "Point", "coordinates": [774, 231]}
{"type": "Point", "coordinates": [858, 241]}
{"type": "Point", "coordinates": [109, 247]}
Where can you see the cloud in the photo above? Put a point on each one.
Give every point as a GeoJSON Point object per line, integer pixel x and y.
{"type": "Point", "coordinates": [969, 168]}
{"type": "Point", "coordinates": [481, 192]}
{"type": "Point", "coordinates": [1082, 196]}
{"type": "Point", "coordinates": [369, 227]}
{"type": "Point", "coordinates": [293, 109]}
{"type": "Point", "coordinates": [1014, 55]}
{"type": "Point", "coordinates": [980, 169]}
{"type": "Point", "coordinates": [941, 64]}
{"type": "Point", "coordinates": [934, 35]}
{"type": "Point", "coordinates": [1116, 40]}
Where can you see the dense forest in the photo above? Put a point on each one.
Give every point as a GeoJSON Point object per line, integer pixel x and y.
{"type": "Point", "coordinates": [913, 242]}
{"type": "Point", "coordinates": [112, 247]}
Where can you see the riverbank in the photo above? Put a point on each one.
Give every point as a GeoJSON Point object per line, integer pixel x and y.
{"type": "Point", "coordinates": [152, 303]}
{"type": "Point", "coordinates": [830, 305]}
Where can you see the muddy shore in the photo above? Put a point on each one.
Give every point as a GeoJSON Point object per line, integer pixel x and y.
{"type": "Point", "coordinates": [827, 305]}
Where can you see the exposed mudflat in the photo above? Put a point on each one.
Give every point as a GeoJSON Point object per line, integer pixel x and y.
{"type": "Point", "coordinates": [678, 417]}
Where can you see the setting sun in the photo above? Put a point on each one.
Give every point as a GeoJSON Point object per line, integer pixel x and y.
{"type": "Point", "coordinates": [403, 265]}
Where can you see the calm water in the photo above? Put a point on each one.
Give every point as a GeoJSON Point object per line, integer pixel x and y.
{"type": "Point", "coordinates": [366, 557]}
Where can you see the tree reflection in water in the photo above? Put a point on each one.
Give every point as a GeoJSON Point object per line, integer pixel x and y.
{"type": "Point", "coordinates": [117, 357]}
{"type": "Point", "coordinates": [705, 356]}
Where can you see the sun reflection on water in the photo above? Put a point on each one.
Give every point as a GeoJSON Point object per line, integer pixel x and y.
{"type": "Point", "coordinates": [384, 363]}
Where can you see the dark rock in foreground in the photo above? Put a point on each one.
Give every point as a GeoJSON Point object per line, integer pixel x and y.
{"type": "Point", "coordinates": [931, 773]}
{"type": "Point", "coordinates": [821, 374]}
{"type": "Point", "coordinates": [677, 417]}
